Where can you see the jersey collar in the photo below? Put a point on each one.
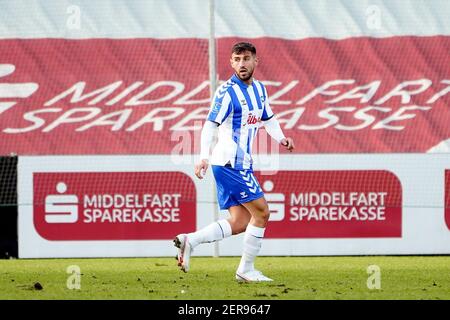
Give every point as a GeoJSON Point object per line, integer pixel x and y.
{"type": "Point", "coordinates": [241, 83]}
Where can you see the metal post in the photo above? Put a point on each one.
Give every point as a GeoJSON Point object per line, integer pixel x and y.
{"type": "Point", "coordinates": [213, 85]}
{"type": "Point", "coordinates": [212, 49]}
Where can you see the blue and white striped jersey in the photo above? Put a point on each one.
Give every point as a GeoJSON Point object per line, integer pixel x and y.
{"type": "Point", "coordinates": [238, 108]}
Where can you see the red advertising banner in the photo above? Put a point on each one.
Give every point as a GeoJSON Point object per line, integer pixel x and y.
{"type": "Point", "coordinates": [146, 96]}
{"type": "Point", "coordinates": [113, 205]}
{"type": "Point", "coordinates": [333, 204]}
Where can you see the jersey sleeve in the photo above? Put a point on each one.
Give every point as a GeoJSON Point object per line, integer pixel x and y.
{"type": "Point", "coordinates": [221, 106]}
{"type": "Point", "coordinates": [267, 110]}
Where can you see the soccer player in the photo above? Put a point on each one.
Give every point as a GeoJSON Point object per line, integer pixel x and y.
{"type": "Point", "coordinates": [239, 108]}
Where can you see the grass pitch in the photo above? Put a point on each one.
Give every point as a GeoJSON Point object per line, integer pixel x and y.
{"type": "Point", "coordinates": [404, 277]}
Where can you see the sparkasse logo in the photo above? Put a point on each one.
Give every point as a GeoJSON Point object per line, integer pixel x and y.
{"type": "Point", "coordinates": [61, 208]}
{"type": "Point", "coordinates": [113, 205]}
{"type": "Point", "coordinates": [333, 204]}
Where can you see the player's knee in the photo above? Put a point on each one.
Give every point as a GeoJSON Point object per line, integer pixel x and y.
{"type": "Point", "coordinates": [238, 225]}
{"type": "Point", "coordinates": [239, 229]}
{"type": "Point", "coordinates": [265, 214]}
{"type": "Point", "coordinates": [262, 217]}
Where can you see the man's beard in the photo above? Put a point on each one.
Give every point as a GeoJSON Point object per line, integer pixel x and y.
{"type": "Point", "coordinates": [248, 77]}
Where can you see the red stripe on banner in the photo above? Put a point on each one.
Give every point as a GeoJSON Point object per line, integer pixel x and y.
{"type": "Point", "coordinates": [447, 198]}
{"type": "Point", "coordinates": [148, 96]}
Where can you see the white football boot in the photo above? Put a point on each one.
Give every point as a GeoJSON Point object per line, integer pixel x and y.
{"type": "Point", "coordinates": [184, 251]}
{"type": "Point", "coordinates": [252, 276]}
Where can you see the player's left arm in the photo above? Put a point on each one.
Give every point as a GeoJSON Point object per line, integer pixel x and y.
{"type": "Point", "coordinates": [272, 125]}
{"type": "Point", "coordinates": [273, 128]}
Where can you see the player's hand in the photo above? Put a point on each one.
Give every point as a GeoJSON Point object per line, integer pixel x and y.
{"type": "Point", "coordinates": [200, 169]}
{"type": "Point", "coordinates": [288, 143]}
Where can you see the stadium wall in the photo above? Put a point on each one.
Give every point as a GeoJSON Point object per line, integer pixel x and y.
{"type": "Point", "coordinates": [102, 95]}
{"type": "Point", "coordinates": [321, 205]}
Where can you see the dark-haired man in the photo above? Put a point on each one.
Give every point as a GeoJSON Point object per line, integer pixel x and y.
{"type": "Point", "coordinates": [239, 108]}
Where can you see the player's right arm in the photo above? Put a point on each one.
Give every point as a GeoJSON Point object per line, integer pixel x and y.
{"type": "Point", "coordinates": [206, 139]}
{"type": "Point", "coordinates": [219, 111]}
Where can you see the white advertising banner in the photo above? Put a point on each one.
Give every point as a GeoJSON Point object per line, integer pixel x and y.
{"type": "Point", "coordinates": [133, 206]}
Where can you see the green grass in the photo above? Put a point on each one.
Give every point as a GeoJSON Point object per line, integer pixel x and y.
{"type": "Point", "coordinates": [405, 277]}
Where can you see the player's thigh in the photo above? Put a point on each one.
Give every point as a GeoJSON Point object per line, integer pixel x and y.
{"type": "Point", "coordinates": [257, 207]}
{"type": "Point", "coordinates": [239, 215]}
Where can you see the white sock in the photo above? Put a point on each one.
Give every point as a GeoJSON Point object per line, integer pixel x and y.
{"type": "Point", "coordinates": [215, 231]}
{"type": "Point", "coordinates": [252, 244]}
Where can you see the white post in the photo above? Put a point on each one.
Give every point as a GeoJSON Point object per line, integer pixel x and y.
{"type": "Point", "coordinates": [213, 85]}
{"type": "Point", "coordinates": [212, 50]}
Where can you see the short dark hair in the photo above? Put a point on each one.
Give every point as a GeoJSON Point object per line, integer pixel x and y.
{"type": "Point", "coordinates": [241, 47]}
